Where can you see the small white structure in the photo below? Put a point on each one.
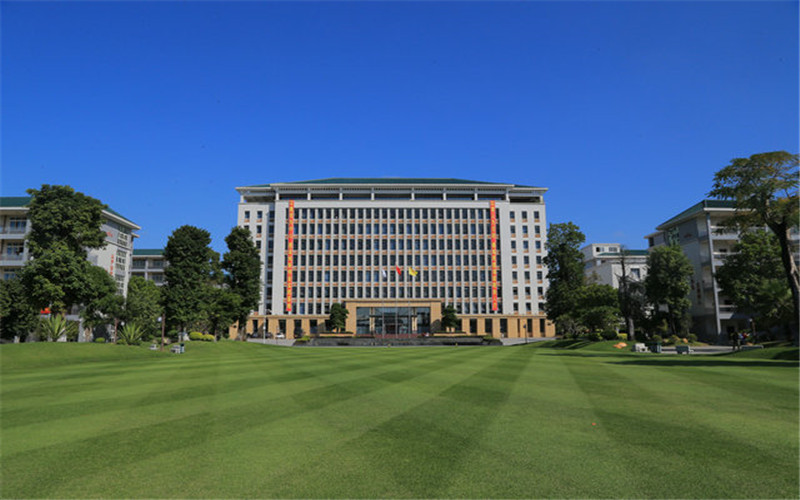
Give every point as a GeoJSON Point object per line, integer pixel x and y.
{"type": "Point", "coordinates": [603, 263]}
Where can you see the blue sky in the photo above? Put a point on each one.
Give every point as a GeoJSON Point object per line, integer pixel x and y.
{"type": "Point", "coordinates": [623, 110]}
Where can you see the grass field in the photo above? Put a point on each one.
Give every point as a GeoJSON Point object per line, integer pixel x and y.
{"type": "Point", "coordinates": [242, 420]}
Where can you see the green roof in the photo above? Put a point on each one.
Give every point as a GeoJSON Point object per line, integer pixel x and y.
{"type": "Point", "coordinates": [628, 252]}
{"type": "Point", "coordinates": [14, 201]}
{"type": "Point", "coordinates": [148, 251]}
{"type": "Point", "coordinates": [698, 208]}
{"type": "Point", "coordinates": [388, 180]}
{"type": "Point", "coordinates": [24, 201]}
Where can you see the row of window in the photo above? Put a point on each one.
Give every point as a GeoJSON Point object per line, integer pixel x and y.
{"type": "Point", "coordinates": [388, 260]}
{"type": "Point", "coordinates": [463, 308]}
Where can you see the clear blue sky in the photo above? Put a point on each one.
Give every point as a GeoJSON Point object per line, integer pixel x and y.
{"type": "Point", "coordinates": [623, 110]}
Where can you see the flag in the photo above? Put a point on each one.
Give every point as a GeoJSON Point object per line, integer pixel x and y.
{"type": "Point", "coordinates": [399, 271]}
{"type": "Point", "coordinates": [412, 271]}
{"type": "Point", "coordinates": [383, 273]}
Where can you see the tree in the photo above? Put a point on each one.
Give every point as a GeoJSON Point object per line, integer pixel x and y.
{"type": "Point", "coordinates": [632, 302]}
{"type": "Point", "coordinates": [564, 263]}
{"type": "Point", "coordinates": [187, 276]}
{"type": "Point", "coordinates": [450, 317]}
{"type": "Point", "coordinates": [753, 279]}
{"type": "Point", "coordinates": [667, 283]}
{"type": "Point", "coordinates": [143, 305]}
{"type": "Point", "coordinates": [62, 218]}
{"type": "Point", "coordinates": [598, 307]}
{"type": "Point", "coordinates": [101, 303]}
{"type": "Point", "coordinates": [764, 189]}
{"type": "Point", "coordinates": [221, 309]}
{"type": "Point", "coordinates": [338, 317]}
{"type": "Point", "coordinates": [17, 314]}
{"type": "Point", "coordinates": [56, 279]}
{"type": "Point", "coordinates": [243, 267]}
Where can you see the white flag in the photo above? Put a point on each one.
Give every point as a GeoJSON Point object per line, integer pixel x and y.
{"type": "Point", "coordinates": [383, 272]}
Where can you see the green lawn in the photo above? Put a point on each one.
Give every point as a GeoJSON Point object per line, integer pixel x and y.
{"type": "Point", "coordinates": [244, 420]}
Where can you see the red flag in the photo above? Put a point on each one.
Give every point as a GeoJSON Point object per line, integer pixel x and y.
{"type": "Point", "coordinates": [397, 268]}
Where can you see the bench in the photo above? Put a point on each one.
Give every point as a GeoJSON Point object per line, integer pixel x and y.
{"type": "Point", "coordinates": [639, 347]}
{"type": "Point", "coordinates": [176, 349]}
{"type": "Point", "coordinates": [153, 347]}
{"type": "Point", "coordinates": [683, 349]}
{"type": "Point", "coordinates": [751, 347]}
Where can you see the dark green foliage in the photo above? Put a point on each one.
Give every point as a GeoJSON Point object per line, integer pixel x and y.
{"type": "Point", "coordinates": [243, 267]}
{"type": "Point", "coordinates": [753, 279]}
{"type": "Point", "coordinates": [564, 263]}
{"type": "Point", "coordinates": [143, 305]}
{"type": "Point", "coordinates": [609, 334]}
{"type": "Point", "coordinates": [17, 316]}
{"type": "Point", "coordinates": [338, 317]}
{"type": "Point", "coordinates": [100, 340]}
{"type": "Point", "coordinates": [667, 283]}
{"type": "Point", "coordinates": [62, 218]}
{"type": "Point", "coordinates": [221, 307]}
{"type": "Point", "coordinates": [450, 318]}
{"type": "Point", "coordinates": [56, 279]}
{"type": "Point", "coordinates": [764, 188]}
{"type": "Point", "coordinates": [191, 263]}
{"type": "Point", "coordinates": [597, 307]}
{"type": "Point", "coordinates": [101, 302]}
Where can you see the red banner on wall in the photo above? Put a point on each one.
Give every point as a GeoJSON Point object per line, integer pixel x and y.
{"type": "Point", "coordinates": [493, 232]}
{"type": "Point", "coordinates": [290, 257]}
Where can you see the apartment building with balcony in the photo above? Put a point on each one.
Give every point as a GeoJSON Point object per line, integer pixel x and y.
{"type": "Point", "coordinates": [603, 263]}
{"type": "Point", "coordinates": [115, 257]}
{"type": "Point", "coordinates": [149, 263]}
{"type": "Point", "coordinates": [700, 233]}
{"type": "Point", "coordinates": [393, 250]}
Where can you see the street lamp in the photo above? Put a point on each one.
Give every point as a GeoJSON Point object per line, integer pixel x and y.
{"type": "Point", "coordinates": [163, 321]}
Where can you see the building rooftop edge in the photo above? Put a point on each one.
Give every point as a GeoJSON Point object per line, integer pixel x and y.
{"type": "Point", "coordinates": [697, 208]}
{"type": "Point", "coordinates": [23, 201]}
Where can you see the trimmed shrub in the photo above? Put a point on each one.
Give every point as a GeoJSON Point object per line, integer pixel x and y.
{"type": "Point", "coordinates": [692, 338]}
{"type": "Point", "coordinates": [100, 340]}
{"type": "Point", "coordinates": [657, 338]}
{"type": "Point", "coordinates": [208, 337]}
{"type": "Point", "coordinates": [609, 334]}
{"type": "Point", "coordinates": [196, 336]}
{"type": "Point", "coordinates": [673, 340]}
{"type": "Point", "coordinates": [622, 336]}
{"type": "Point", "coordinates": [593, 337]}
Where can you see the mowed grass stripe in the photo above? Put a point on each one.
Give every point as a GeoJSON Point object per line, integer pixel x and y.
{"type": "Point", "coordinates": [308, 441]}
{"type": "Point", "coordinates": [179, 407]}
{"type": "Point", "coordinates": [428, 422]}
{"type": "Point", "coordinates": [136, 444]}
{"type": "Point", "coordinates": [413, 453]}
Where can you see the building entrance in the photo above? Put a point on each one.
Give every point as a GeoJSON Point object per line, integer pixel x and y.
{"type": "Point", "coordinates": [393, 320]}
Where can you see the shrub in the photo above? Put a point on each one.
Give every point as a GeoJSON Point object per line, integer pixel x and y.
{"type": "Point", "coordinates": [692, 338]}
{"type": "Point", "coordinates": [488, 338]}
{"type": "Point", "coordinates": [195, 336]}
{"type": "Point", "coordinates": [100, 340]}
{"type": "Point", "coordinates": [593, 336]}
{"type": "Point", "coordinates": [609, 334]}
{"type": "Point", "coordinates": [657, 338]}
{"type": "Point", "coordinates": [622, 336]}
{"type": "Point", "coordinates": [673, 340]}
{"type": "Point", "coordinates": [208, 337]}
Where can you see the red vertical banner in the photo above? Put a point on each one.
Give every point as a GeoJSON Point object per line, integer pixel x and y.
{"type": "Point", "coordinates": [290, 257]}
{"type": "Point", "coordinates": [493, 232]}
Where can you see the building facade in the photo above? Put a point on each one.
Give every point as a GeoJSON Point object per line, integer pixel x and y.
{"type": "Point", "coordinates": [149, 263]}
{"type": "Point", "coordinates": [115, 257]}
{"type": "Point", "coordinates": [700, 232]}
{"type": "Point", "coordinates": [394, 250]}
{"type": "Point", "coordinates": [602, 263]}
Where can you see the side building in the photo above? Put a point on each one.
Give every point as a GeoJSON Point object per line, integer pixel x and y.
{"type": "Point", "coordinates": [393, 251]}
{"type": "Point", "coordinates": [706, 242]}
{"type": "Point", "coordinates": [149, 263]}
{"type": "Point", "coordinates": [115, 257]}
{"type": "Point", "coordinates": [603, 262]}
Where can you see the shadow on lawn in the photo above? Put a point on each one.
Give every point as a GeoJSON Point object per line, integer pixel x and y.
{"type": "Point", "coordinates": [705, 362]}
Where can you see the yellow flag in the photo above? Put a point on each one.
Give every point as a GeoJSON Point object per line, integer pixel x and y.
{"type": "Point", "coordinates": [412, 271]}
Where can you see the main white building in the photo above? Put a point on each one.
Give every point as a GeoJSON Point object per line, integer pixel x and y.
{"type": "Point", "coordinates": [394, 250]}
